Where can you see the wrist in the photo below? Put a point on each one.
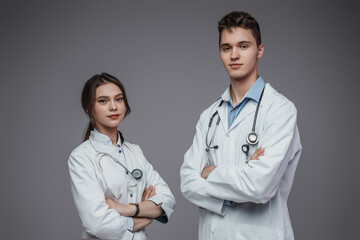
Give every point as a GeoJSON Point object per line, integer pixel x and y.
{"type": "Point", "coordinates": [135, 209]}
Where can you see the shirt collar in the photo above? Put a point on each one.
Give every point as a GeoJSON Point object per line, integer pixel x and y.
{"type": "Point", "coordinates": [97, 136]}
{"type": "Point", "coordinates": [253, 93]}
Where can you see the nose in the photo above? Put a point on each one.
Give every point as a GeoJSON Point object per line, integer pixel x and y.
{"type": "Point", "coordinates": [113, 106]}
{"type": "Point", "coordinates": [235, 54]}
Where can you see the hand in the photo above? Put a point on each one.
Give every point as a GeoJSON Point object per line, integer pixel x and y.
{"type": "Point", "coordinates": [140, 223]}
{"type": "Point", "coordinates": [258, 153]}
{"type": "Point", "coordinates": [148, 193]}
{"type": "Point", "coordinates": [126, 210]}
{"type": "Point", "coordinates": [205, 172]}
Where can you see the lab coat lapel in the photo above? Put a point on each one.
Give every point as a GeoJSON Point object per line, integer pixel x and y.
{"type": "Point", "coordinates": [222, 110]}
{"type": "Point", "coordinates": [249, 108]}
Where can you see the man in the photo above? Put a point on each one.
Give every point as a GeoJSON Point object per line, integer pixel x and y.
{"type": "Point", "coordinates": [241, 165]}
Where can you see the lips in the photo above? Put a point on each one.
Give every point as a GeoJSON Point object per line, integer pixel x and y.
{"type": "Point", "coordinates": [114, 116]}
{"type": "Point", "coordinates": [235, 65]}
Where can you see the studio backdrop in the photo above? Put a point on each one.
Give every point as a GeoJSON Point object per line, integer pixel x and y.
{"type": "Point", "coordinates": [166, 54]}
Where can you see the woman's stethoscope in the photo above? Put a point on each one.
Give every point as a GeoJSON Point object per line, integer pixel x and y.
{"type": "Point", "coordinates": [136, 174]}
{"type": "Point", "coordinates": [251, 139]}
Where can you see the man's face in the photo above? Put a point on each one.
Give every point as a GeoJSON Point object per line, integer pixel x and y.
{"type": "Point", "coordinates": [239, 53]}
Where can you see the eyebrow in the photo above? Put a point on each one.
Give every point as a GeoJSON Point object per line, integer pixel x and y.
{"type": "Point", "coordinates": [117, 95]}
{"type": "Point", "coordinates": [241, 42]}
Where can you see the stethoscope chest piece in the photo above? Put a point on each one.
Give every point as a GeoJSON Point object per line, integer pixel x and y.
{"type": "Point", "coordinates": [137, 173]}
{"type": "Point", "coordinates": [252, 138]}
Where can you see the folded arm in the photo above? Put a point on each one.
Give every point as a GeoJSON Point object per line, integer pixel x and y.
{"type": "Point", "coordinates": [145, 209]}
{"type": "Point", "coordinates": [192, 184]}
{"type": "Point", "coordinates": [96, 217]}
{"type": "Point", "coordinates": [259, 181]}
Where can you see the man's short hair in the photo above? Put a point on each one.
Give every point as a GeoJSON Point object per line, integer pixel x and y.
{"type": "Point", "coordinates": [240, 19]}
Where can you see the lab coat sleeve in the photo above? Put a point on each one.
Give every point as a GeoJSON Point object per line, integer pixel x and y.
{"type": "Point", "coordinates": [89, 199]}
{"type": "Point", "coordinates": [192, 184]}
{"type": "Point", "coordinates": [163, 195]}
{"type": "Point", "coordinates": [259, 181]}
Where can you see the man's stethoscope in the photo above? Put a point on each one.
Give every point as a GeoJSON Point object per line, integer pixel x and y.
{"type": "Point", "coordinates": [251, 139]}
{"type": "Point", "coordinates": [136, 174]}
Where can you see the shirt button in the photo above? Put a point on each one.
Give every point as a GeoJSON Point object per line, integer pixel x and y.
{"type": "Point", "coordinates": [120, 151]}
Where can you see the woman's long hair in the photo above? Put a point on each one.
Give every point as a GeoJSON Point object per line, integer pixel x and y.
{"type": "Point", "coordinates": [89, 94]}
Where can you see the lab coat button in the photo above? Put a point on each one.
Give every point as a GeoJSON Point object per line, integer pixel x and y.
{"type": "Point", "coordinates": [120, 151]}
{"type": "Point", "coordinates": [131, 195]}
{"type": "Point", "coordinates": [127, 172]}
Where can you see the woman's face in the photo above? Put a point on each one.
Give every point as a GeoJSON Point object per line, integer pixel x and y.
{"type": "Point", "coordinates": [109, 108]}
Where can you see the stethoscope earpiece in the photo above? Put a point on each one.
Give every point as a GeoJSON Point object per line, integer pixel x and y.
{"type": "Point", "coordinates": [209, 147]}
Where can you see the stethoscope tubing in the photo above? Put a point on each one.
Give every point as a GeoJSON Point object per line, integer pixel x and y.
{"type": "Point", "coordinates": [131, 173]}
{"type": "Point", "coordinates": [251, 139]}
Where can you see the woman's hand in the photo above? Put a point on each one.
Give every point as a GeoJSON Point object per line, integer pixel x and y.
{"type": "Point", "coordinates": [148, 193]}
{"type": "Point", "coordinates": [125, 210]}
{"type": "Point", "coordinates": [128, 210]}
{"type": "Point", "coordinates": [140, 223]}
{"type": "Point", "coordinates": [258, 153]}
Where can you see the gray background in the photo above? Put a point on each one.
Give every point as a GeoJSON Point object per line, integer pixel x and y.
{"type": "Point", "coordinates": [166, 54]}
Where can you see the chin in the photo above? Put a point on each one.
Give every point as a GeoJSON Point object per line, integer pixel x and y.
{"type": "Point", "coordinates": [238, 78]}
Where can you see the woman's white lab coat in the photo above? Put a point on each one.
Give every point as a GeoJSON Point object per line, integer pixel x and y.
{"type": "Point", "coordinates": [259, 190]}
{"type": "Point", "coordinates": [90, 189]}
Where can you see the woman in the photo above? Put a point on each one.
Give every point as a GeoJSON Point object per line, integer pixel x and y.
{"type": "Point", "coordinates": [108, 173]}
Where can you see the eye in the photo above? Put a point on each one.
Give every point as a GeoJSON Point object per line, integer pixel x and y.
{"type": "Point", "coordinates": [226, 49]}
{"type": "Point", "coordinates": [101, 101]}
{"type": "Point", "coordinates": [120, 99]}
{"type": "Point", "coordinates": [244, 46]}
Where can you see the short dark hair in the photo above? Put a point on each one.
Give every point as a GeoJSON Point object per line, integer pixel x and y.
{"type": "Point", "coordinates": [89, 94]}
{"type": "Point", "coordinates": [240, 19]}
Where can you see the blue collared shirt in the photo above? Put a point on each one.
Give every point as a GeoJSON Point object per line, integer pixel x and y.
{"type": "Point", "coordinates": [253, 94]}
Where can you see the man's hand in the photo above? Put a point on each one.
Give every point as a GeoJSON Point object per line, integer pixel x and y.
{"type": "Point", "coordinates": [205, 172]}
{"type": "Point", "coordinates": [148, 193]}
{"type": "Point", "coordinates": [258, 153]}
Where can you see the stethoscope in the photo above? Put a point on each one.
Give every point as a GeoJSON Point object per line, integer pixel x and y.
{"type": "Point", "coordinates": [136, 174]}
{"type": "Point", "coordinates": [251, 139]}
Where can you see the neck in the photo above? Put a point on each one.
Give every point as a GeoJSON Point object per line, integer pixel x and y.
{"type": "Point", "coordinates": [112, 133]}
{"type": "Point", "coordinates": [239, 88]}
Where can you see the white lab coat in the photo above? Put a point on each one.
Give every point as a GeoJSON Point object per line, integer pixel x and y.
{"type": "Point", "coordinates": [259, 189]}
{"type": "Point", "coordinates": [90, 191]}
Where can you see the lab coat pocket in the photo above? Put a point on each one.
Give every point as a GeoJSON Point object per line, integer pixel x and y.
{"type": "Point", "coordinates": [118, 187]}
{"type": "Point", "coordinates": [248, 232]}
{"type": "Point", "coordinates": [115, 180]}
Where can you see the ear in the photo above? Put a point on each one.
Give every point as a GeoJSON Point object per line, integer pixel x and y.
{"type": "Point", "coordinates": [260, 51]}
